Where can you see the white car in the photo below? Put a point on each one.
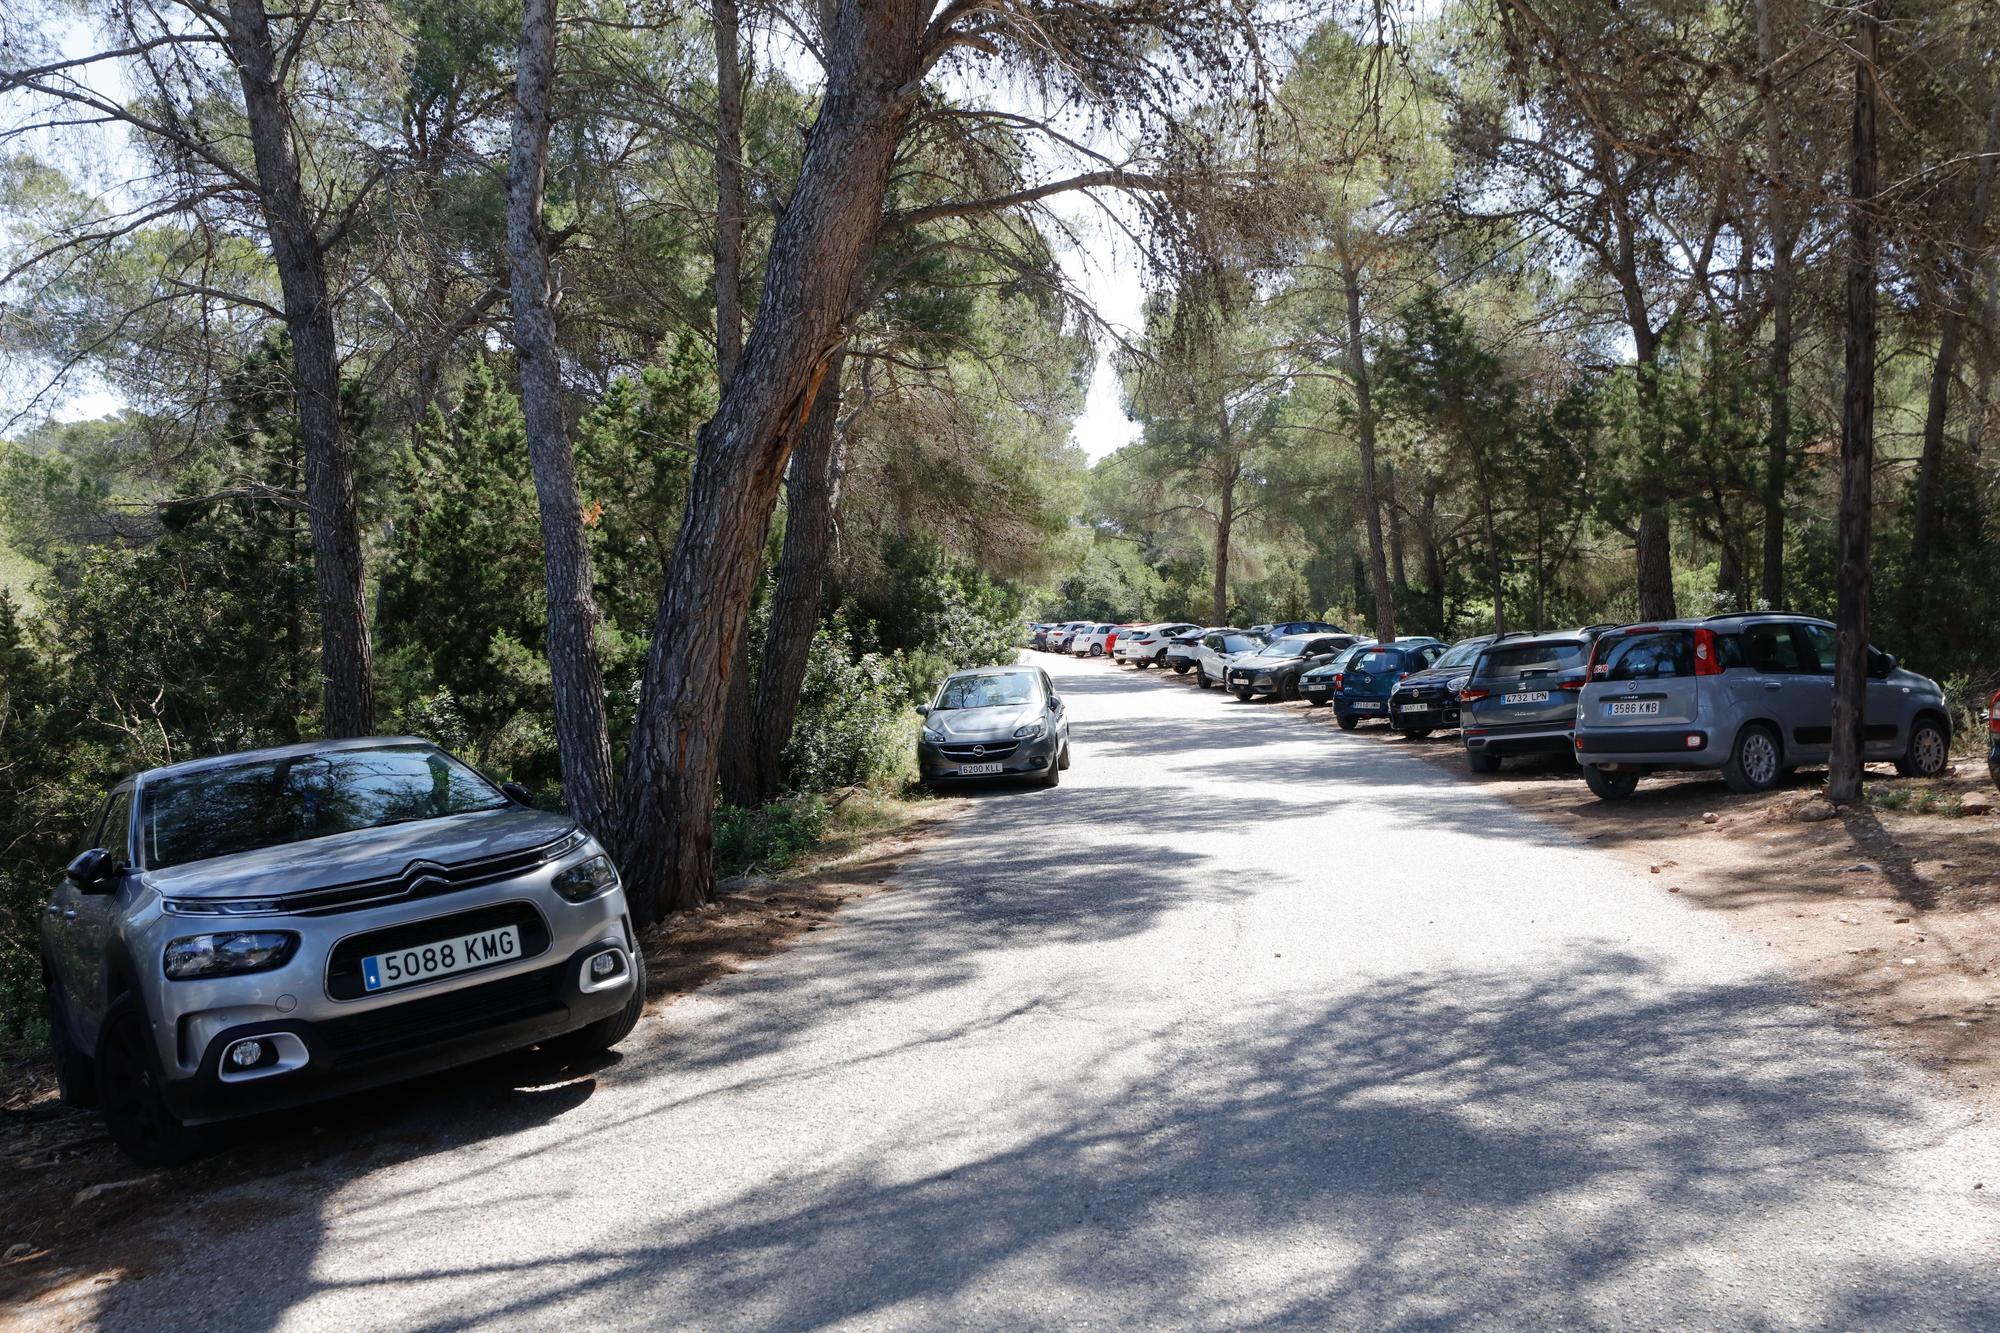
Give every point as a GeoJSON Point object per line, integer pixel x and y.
{"type": "Point", "coordinates": [1147, 645]}
{"type": "Point", "coordinates": [1180, 651]}
{"type": "Point", "coordinates": [1091, 639]}
{"type": "Point", "coordinates": [1064, 634]}
{"type": "Point", "coordinates": [1211, 665]}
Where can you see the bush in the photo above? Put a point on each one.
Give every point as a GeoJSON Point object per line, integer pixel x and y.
{"type": "Point", "coordinates": [851, 725]}
{"type": "Point", "coordinates": [768, 838]}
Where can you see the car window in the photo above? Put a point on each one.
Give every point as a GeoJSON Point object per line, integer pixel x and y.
{"type": "Point", "coordinates": [1815, 649]}
{"type": "Point", "coordinates": [998, 691]}
{"type": "Point", "coordinates": [1288, 647]}
{"type": "Point", "coordinates": [1654, 656]}
{"type": "Point", "coordinates": [114, 833]}
{"type": "Point", "coordinates": [1379, 660]}
{"type": "Point", "coordinates": [1463, 654]}
{"type": "Point", "coordinates": [272, 802]}
{"type": "Point", "coordinates": [1531, 658]}
{"type": "Point", "coordinates": [1770, 648]}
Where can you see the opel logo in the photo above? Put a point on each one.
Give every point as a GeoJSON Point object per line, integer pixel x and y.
{"type": "Point", "coordinates": [978, 750]}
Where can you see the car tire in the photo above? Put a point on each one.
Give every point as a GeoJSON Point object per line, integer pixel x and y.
{"type": "Point", "coordinates": [130, 1097]}
{"type": "Point", "coordinates": [1288, 689]}
{"type": "Point", "coordinates": [1064, 761]}
{"type": "Point", "coordinates": [1242, 693]}
{"type": "Point", "coordinates": [1348, 721]}
{"type": "Point", "coordinates": [1481, 762]}
{"type": "Point", "coordinates": [608, 1031]}
{"type": "Point", "coordinates": [76, 1073]}
{"type": "Point", "coordinates": [1756, 761]}
{"type": "Point", "coordinates": [1609, 786]}
{"type": "Point", "coordinates": [1315, 703]}
{"type": "Point", "coordinates": [1097, 650]}
{"type": "Point", "coordinates": [1201, 678]}
{"type": "Point", "coordinates": [1929, 751]}
{"type": "Point", "coordinates": [1180, 668]}
{"type": "Point", "coordinates": [1053, 778]}
{"type": "Point", "coordinates": [1416, 733]}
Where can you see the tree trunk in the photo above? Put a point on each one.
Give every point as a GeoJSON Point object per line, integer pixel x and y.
{"type": "Point", "coordinates": [1656, 564]}
{"type": "Point", "coordinates": [812, 495]}
{"type": "Point", "coordinates": [820, 245]}
{"type": "Point", "coordinates": [1989, 353]}
{"type": "Point", "coordinates": [583, 737]}
{"type": "Point", "coordinates": [1857, 428]}
{"type": "Point", "coordinates": [1225, 525]}
{"type": "Point", "coordinates": [1364, 432]}
{"type": "Point", "coordinates": [1963, 289]}
{"type": "Point", "coordinates": [1494, 582]}
{"type": "Point", "coordinates": [1777, 439]}
{"type": "Point", "coordinates": [347, 666]}
{"type": "Point", "coordinates": [741, 782]}
{"type": "Point", "coordinates": [1433, 561]}
{"type": "Point", "coordinates": [728, 195]}
{"type": "Point", "coordinates": [1394, 511]}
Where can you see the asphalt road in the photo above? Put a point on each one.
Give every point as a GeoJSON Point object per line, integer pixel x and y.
{"type": "Point", "coordinates": [1249, 1023]}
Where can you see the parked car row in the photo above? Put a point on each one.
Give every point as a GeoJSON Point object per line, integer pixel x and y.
{"type": "Point", "coordinates": [1749, 695]}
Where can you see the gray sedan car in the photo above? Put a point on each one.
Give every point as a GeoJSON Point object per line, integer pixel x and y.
{"type": "Point", "coordinates": [261, 929]}
{"type": "Point", "coordinates": [994, 722]}
{"type": "Point", "coordinates": [1750, 695]}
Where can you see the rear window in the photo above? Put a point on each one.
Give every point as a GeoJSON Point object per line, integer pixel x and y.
{"type": "Point", "coordinates": [1532, 659]}
{"type": "Point", "coordinates": [1377, 661]}
{"type": "Point", "coordinates": [1655, 656]}
{"type": "Point", "coordinates": [1463, 654]}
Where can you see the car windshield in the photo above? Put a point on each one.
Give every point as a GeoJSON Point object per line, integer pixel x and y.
{"type": "Point", "coordinates": [1463, 654]}
{"type": "Point", "coordinates": [271, 802]}
{"type": "Point", "coordinates": [998, 691]}
{"type": "Point", "coordinates": [1291, 647]}
{"type": "Point", "coordinates": [1532, 659]}
{"type": "Point", "coordinates": [1240, 643]}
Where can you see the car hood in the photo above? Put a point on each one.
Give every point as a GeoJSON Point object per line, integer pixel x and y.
{"type": "Point", "coordinates": [982, 724]}
{"type": "Point", "coordinates": [365, 854]}
{"type": "Point", "coordinates": [1433, 676]}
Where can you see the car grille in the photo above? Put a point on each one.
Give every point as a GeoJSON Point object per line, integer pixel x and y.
{"type": "Point", "coordinates": [343, 965]}
{"type": "Point", "coordinates": [417, 880]}
{"type": "Point", "coordinates": [979, 750]}
{"type": "Point", "coordinates": [397, 1028]}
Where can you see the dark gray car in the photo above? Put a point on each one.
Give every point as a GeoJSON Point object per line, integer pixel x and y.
{"type": "Point", "coordinates": [994, 722]}
{"type": "Point", "coordinates": [262, 929]}
{"type": "Point", "coordinates": [1749, 695]}
{"type": "Point", "coordinates": [1520, 697]}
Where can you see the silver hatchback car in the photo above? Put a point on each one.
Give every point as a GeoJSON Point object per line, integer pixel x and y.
{"type": "Point", "coordinates": [1751, 695]}
{"type": "Point", "coordinates": [262, 929]}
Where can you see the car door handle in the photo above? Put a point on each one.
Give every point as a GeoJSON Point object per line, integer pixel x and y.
{"type": "Point", "coordinates": [1773, 686]}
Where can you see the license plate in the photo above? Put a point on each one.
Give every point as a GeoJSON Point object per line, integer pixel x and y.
{"type": "Point", "coordinates": [1527, 697]}
{"type": "Point", "coordinates": [1416, 708]}
{"type": "Point", "coordinates": [441, 958]}
{"type": "Point", "coordinates": [1632, 707]}
{"type": "Point", "coordinates": [974, 770]}
{"type": "Point", "coordinates": [1310, 688]}
{"type": "Point", "coordinates": [1366, 708]}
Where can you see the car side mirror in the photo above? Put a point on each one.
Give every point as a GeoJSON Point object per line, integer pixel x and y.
{"type": "Point", "coordinates": [1881, 664]}
{"type": "Point", "coordinates": [1054, 702]}
{"type": "Point", "coordinates": [516, 793]}
{"type": "Point", "coordinates": [91, 871]}
{"type": "Point", "coordinates": [923, 710]}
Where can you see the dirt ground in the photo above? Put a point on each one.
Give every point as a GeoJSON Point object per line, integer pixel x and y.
{"type": "Point", "coordinates": [73, 1211]}
{"type": "Point", "coordinates": [1886, 912]}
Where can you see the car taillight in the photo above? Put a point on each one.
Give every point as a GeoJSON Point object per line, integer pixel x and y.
{"type": "Point", "coordinates": [1473, 696]}
{"type": "Point", "coordinates": [1993, 714]}
{"type": "Point", "coordinates": [1338, 677]}
{"type": "Point", "coordinates": [1572, 684]}
{"type": "Point", "coordinates": [1707, 659]}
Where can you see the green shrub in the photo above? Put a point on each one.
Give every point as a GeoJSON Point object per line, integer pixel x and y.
{"type": "Point", "coordinates": [768, 838]}
{"type": "Point", "coordinates": [850, 726]}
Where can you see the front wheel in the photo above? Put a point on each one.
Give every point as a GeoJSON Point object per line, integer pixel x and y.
{"type": "Point", "coordinates": [1180, 668]}
{"type": "Point", "coordinates": [1288, 689]}
{"type": "Point", "coordinates": [1606, 786]}
{"type": "Point", "coordinates": [1929, 752]}
{"type": "Point", "coordinates": [76, 1078]}
{"type": "Point", "coordinates": [1755, 764]}
{"type": "Point", "coordinates": [608, 1031]}
{"type": "Point", "coordinates": [1064, 761]}
{"type": "Point", "coordinates": [134, 1105]}
{"type": "Point", "coordinates": [1416, 733]}
{"type": "Point", "coordinates": [1348, 721]}
{"type": "Point", "coordinates": [1053, 778]}
{"type": "Point", "coordinates": [1201, 678]}
{"type": "Point", "coordinates": [1242, 694]}
{"type": "Point", "coordinates": [1315, 703]}
{"type": "Point", "coordinates": [1479, 761]}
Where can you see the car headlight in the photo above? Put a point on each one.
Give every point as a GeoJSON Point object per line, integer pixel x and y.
{"type": "Point", "coordinates": [1033, 731]}
{"type": "Point", "coordinates": [586, 879]}
{"type": "Point", "coordinates": [229, 954]}
{"type": "Point", "coordinates": [1457, 683]}
{"type": "Point", "coordinates": [935, 738]}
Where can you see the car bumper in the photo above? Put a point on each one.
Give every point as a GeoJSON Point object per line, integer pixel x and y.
{"type": "Point", "coordinates": [1027, 758]}
{"type": "Point", "coordinates": [1438, 713]}
{"type": "Point", "coordinates": [1525, 740]}
{"type": "Point", "coordinates": [1649, 747]}
{"type": "Point", "coordinates": [314, 1059]}
{"type": "Point", "coordinates": [1363, 708]}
